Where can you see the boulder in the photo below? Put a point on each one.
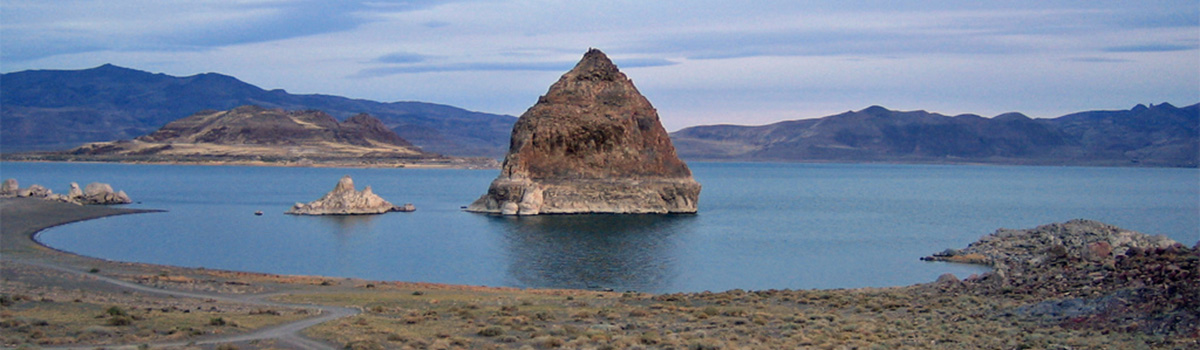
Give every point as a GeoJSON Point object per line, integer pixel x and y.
{"type": "Point", "coordinates": [9, 188]}
{"type": "Point", "coordinates": [592, 144]}
{"type": "Point", "coordinates": [344, 199]}
{"type": "Point", "coordinates": [75, 193]}
{"type": "Point", "coordinates": [34, 191]}
{"type": "Point", "coordinates": [102, 193]}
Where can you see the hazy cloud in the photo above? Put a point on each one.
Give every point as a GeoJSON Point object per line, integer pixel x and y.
{"type": "Point", "coordinates": [1151, 48]}
{"type": "Point", "coordinates": [35, 29]}
{"type": "Point", "coordinates": [402, 57]}
{"type": "Point", "coordinates": [559, 66]}
{"type": "Point", "coordinates": [1098, 60]}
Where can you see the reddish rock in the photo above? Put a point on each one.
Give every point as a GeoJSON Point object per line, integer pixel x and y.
{"type": "Point", "coordinates": [592, 144]}
{"type": "Point", "coordinates": [1098, 251]}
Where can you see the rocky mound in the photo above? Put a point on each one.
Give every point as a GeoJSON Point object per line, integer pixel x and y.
{"type": "Point", "coordinates": [255, 133]}
{"type": "Point", "coordinates": [592, 144]}
{"type": "Point", "coordinates": [1090, 275]}
{"type": "Point", "coordinates": [345, 200]}
{"type": "Point", "coordinates": [94, 193]}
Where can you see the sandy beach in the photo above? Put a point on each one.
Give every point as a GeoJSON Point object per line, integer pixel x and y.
{"type": "Point", "coordinates": [52, 299]}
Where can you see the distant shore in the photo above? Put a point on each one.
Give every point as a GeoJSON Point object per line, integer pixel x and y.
{"type": "Point", "coordinates": [448, 163]}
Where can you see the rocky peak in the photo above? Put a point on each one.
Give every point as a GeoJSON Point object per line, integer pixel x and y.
{"type": "Point", "coordinates": [591, 144]}
{"type": "Point", "coordinates": [345, 184]}
{"type": "Point", "coordinates": [592, 123]}
{"type": "Point", "coordinates": [594, 66]}
{"type": "Point", "coordinates": [345, 200]}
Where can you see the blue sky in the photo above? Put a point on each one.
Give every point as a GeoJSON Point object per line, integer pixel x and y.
{"type": "Point", "coordinates": [699, 62]}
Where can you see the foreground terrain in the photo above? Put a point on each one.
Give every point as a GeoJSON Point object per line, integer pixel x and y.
{"type": "Point", "coordinates": [1054, 287]}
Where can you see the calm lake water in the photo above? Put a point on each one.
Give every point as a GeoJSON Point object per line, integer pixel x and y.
{"type": "Point", "coordinates": [760, 226]}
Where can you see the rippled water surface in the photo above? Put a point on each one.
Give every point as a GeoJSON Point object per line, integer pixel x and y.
{"type": "Point", "coordinates": [760, 226]}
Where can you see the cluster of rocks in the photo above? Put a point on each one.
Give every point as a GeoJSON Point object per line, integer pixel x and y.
{"type": "Point", "coordinates": [1088, 274]}
{"type": "Point", "coordinates": [344, 199]}
{"type": "Point", "coordinates": [1014, 251]}
{"type": "Point", "coordinates": [591, 144]}
{"type": "Point", "coordinates": [94, 193]}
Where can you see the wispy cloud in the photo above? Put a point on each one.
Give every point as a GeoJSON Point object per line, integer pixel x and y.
{"type": "Point", "coordinates": [1151, 48]}
{"type": "Point", "coordinates": [402, 57]}
{"type": "Point", "coordinates": [1098, 60]}
{"type": "Point", "coordinates": [556, 66]}
{"type": "Point", "coordinates": [36, 29]}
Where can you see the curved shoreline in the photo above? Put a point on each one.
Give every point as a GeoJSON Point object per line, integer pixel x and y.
{"type": "Point", "coordinates": [24, 218]}
{"type": "Point", "coordinates": [1061, 307]}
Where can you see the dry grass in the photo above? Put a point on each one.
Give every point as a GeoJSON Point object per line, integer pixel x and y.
{"type": "Point", "coordinates": [897, 318]}
{"type": "Point", "coordinates": [31, 320]}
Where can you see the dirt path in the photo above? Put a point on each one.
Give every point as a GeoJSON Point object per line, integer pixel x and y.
{"type": "Point", "coordinates": [20, 219]}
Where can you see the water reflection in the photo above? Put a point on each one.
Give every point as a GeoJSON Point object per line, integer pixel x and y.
{"type": "Point", "coordinates": [346, 226]}
{"type": "Point", "coordinates": [621, 252]}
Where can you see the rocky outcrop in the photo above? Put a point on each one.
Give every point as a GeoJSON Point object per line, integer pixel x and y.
{"type": "Point", "coordinates": [592, 144]}
{"type": "Point", "coordinates": [1010, 250]}
{"type": "Point", "coordinates": [9, 188]}
{"type": "Point", "coordinates": [1087, 274]}
{"type": "Point", "coordinates": [101, 193]}
{"type": "Point", "coordinates": [96, 193]}
{"type": "Point", "coordinates": [35, 190]}
{"type": "Point", "coordinates": [345, 200]}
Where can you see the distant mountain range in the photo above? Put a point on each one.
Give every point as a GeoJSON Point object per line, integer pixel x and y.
{"type": "Point", "coordinates": [62, 109]}
{"type": "Point", "coordinates": [1158, 135]}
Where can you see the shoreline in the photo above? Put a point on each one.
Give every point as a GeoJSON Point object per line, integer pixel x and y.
{"type": "Point", "coordinates": [269, 311]}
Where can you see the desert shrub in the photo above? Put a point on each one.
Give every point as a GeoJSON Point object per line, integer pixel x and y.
{"type": "Point", "coordinates": [363, 345]}
{"type": "Point", "coordinates": [115, 311]}
{"type": "Point", "coordinates": [493, 331]}
{"type": "Point", "coordinates": [120, 320]}
{"type": "Point", "coordinates": [219, 321]}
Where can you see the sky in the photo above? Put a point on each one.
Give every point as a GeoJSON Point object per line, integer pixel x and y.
{"type": "Point", "coordinates": [699, 62]}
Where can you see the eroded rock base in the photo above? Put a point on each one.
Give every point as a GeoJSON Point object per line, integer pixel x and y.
{"type": "Point", "coordinates": [508, 196]}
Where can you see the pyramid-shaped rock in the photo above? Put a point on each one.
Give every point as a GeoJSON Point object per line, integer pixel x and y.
{"type": "Point", "coordinates": [592, 144]}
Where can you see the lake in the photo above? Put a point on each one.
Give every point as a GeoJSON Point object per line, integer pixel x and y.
{"type": "Point", "coordinates": [760, 225]}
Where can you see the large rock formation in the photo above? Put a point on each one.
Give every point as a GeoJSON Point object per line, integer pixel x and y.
{"type": "Point", "coordinates": [592, 144]}
{"type": "Point", "coordinates": [345, 200]}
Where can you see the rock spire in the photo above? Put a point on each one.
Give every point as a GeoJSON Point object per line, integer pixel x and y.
{"type": "Point", "coordinates": [345, 200]}
{"type": "Point", "coordinates": [591, 144]}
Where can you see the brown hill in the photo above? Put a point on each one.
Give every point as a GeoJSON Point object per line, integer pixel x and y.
{"type": "Point", "coordinates": [252, 133]}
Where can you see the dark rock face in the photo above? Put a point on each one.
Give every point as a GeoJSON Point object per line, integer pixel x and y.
{"type": "Point", "coordinates": [592, 144]}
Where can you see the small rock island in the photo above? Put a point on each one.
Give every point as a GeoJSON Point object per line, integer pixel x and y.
{"type": "Point", "coordinates": [592, 144]}
{"type": "Point", "coordinates": [345, 200]}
